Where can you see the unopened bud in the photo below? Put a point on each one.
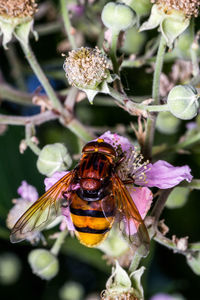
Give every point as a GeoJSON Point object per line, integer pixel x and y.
{"type": "Point", "coordinates": [43, 263]}
{"type": "Point", "coordinates": [166, 123]}
{"type": "Point", "coordinates": [118, 16]}
{"type": "Point", "coordinates": [10, 267]}
{"type": "Point", "coordinates": [71, 291]}
{"type": "Point", "coordinates": [183, 102]}
{"type": "Point", "coordinates": [53, 158]}
{"type": "Point", "coordinates": [141, 7]}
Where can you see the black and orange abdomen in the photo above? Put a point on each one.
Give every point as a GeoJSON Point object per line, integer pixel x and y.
{"type": "Point", "coordinates": [92, 220]}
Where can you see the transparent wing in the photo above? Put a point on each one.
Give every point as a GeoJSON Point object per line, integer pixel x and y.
{"type": "Point", "coordinates": [42, 212]}
{"type": "Point", "coordinates": [128, 209]}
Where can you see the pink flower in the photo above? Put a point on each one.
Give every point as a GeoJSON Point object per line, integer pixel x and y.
{"type": "Point", "coordinates": [160, 174]}
{"type": "Point", "coordinates": [49, 181]}
{"type": "Point", "coordinates": [76, 9]}
{"type": "Point", "coordinates": [28, 195]}
{"type": "Point", "coordinates": [162, 296]}
{"type": "Point", "coordinates": [27, 192]}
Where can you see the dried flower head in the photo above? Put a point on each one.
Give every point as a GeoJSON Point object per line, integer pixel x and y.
{"type": "Point", "coordinates": [16, 17]}
{"type": "Point", "coordinates": [86, 67]}
{"type": "Point", "coordinates": [189, 7]}
{"type": "Point", "coordinates": [172, 17]}
{"type": "Point", "coordinates": [17, 8]}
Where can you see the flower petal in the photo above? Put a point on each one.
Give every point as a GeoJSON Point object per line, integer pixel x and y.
{"type": "Point", "coordinates": [142, 197]}
{"type": "Point", "coordinates": [117, 140]}
{"type": "Point", "coordinates": [49, 181]}
{"type": "Point", "coordinates": [67, 222]}
{"type": "Point", "coordinates": [163, 175]}
{"type": "Point", "coordinates": [27, 192]}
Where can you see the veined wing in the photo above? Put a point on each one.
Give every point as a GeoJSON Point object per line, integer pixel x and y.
{"type": "Point", "coordinates": [43, 211]}
{"type": "Point", "coordinates": [127, 207]}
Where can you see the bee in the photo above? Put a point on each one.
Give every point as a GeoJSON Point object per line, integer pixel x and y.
{"type": "Point", "coordinates": [95, 195]}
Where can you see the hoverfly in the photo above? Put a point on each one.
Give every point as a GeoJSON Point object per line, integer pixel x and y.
{"type": "Point", "coordinates": [100, 195]}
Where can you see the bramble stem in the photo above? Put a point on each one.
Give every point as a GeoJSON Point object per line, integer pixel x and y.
{"type": "Point", "coordinates": [161, 239]}
{"type": "Point", "coordinates": [59, 241]}
{"type": "Point", "coordinates": [67, 24]}
{"type": "Point", "coordinates": [150, 129]}
{"type": "Point", "coordinates": [28, 134]}
{"type": "Point", "coordinates": [113, 51]}
{"type": "Point", "coordinates": [132, 106]}
{"type": "Point", "coordinates": [9, 93]}
{"type": "Point", "coordinates": [41, 76]}
{"type": "Point", "coordinates": [22, 121]}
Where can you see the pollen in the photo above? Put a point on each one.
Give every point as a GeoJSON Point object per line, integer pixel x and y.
{"type": "Point", "coordinates": [134, 166]}
{"type": "Point", "coordinates": [188, 7]}
{"type": "Point", "coordinates": [17, 8]}
{"type": "Point", "coordinates": [86, 67]}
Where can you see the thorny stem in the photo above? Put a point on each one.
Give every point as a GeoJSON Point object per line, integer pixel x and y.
{"type": "Point", "coordinates": [28, 134]}
{"type": "Point", "coordinates": [22, 121]}
{"type": "Point", "coordinates": [67, 118]}
{"type": "Point", "coordinates": [41, 76]}
{"type": "Point", "coordinates": [66, 19]}
{"type": "Point", "coordinates": [59, 241]}
{"type": "Point", "coordinates": [161, 239]}
{"type": "Point", "coordinates": [135, 108]}
{"type": "Point", "coordinates": [150, 129]}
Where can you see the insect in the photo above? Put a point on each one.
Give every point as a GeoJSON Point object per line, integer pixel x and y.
{"type": "Point", "coordinates": [94, 194]}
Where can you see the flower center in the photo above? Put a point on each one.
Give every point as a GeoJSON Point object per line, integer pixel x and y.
{"type": "Point", "coordinates": [134, 167]}
{"type": "Point", "coordinates": [86, 67]}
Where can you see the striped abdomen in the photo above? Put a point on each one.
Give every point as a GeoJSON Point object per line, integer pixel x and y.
{"type": "Point", "coordinates": [92, 220]}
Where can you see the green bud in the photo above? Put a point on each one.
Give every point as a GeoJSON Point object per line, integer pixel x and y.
{"type": "Point", "coordinates": [183, 102]}
{"type": "Point", "coordinates": [178, 197]}
{"type": "Point", "coordinates": [43, 263]}
{"type": "Point", "coordinates": [118, 16]}
{"type": "Point", "coordinates": [141, 7]}
{"type": "Point", "coordinates": [193, 261]}
{"type": "Point", "coordinates": [53, 158]}
{"type": "Point", "coordinates": [166, 123]}
{"type": "Point", "coordinates": [134, 41]}
{"type": "Point", "coordinates": [71, 291]}
{"type": "Point", "coordinates": [10, 268]}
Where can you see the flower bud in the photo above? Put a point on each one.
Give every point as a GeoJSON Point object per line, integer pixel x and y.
{"type": "Point", "coordinates": [166, 123]}
{"type": "Point", "coordinates": [10, 268]}
{"type": "Point", "coordinates": [183, 102]}
{"type": "Point", "coordinates": [43, 263]}
{"type": "Point", "coordinates": [134, 41]}
{"type": "Point", "coordinates": [118, 16]}
{"type": "Point", "coordinates": [71, 291]}
{"type": "Point", "coordinates": [16, 17]}
{"type": "Point", "coordinates": [53, 158]}
{"type": "Point", "coordinates": [141, 7]}
{"type": "Point", "coordinates": [178, 197]}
